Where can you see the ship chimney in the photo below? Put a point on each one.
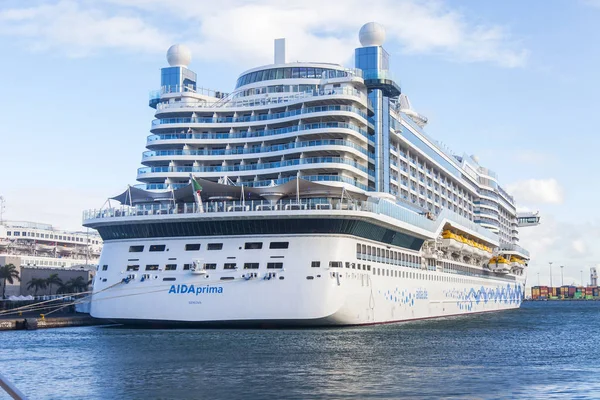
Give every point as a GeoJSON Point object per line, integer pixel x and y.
{"type": "Point", "coordinates": [280, 51]}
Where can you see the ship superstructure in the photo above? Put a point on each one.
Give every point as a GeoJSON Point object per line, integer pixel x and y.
{"type": "Point", "coordinates": [38, 244]}
{"type": "Point", "coordinates": [309, 180]}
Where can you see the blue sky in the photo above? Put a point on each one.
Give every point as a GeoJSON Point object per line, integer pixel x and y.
{"type": "Point", "coordinates": [513, 82]}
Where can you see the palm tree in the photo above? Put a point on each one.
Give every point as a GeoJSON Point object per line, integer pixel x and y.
{"type": "Point", "coordinates": [78, 284]}
{"type": "Point", "coordinates": [36, 284]}
{"type": "Point", "coordinates": [65, 287]}
{"type": "Point", "coordinates": [8, 273]}
{"type": "Point", "coordinates": [52, 280]}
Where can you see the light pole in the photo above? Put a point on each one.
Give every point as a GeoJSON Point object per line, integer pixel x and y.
{"type": "Point", "coordinates": [550, 273]}
{"type": "Point", "coordinates": [581, 277]}
{"type": "Point", "coordinates": [539, 283]}
{"type": "Point", "coordinates": [562, 277]}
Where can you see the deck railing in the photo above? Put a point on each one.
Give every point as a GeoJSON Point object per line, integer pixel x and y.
{"type": "Point", "coordinates": [376, 206]}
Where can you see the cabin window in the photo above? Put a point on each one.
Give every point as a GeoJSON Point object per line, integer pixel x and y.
{"type": "Point", "coordinates": [152, 267]}
{"type": "Point", "coordinates": [253, 245]}
{"type": "Point", "coordinates": [229, 266]}
{"type": "Point", "coordinates": [215, 246]}
{"type": "Point", "coordinates": [169, 279]}
{"type": "Point", "coordinates": [136, 249]}
{"type": "Point", "coordinates": [104, 267]}
{"type": "Point", "coordinates": [133, 268]}
{"type": "Point", "coordinates": [347, 264]}
{"type": "Point", "coordinates": [274, 265]}
{"type": "Point", "coordinates": [157, 247]}
{"type": "Point", "coordinates": [250, 265]}
{"type": "Point", "coordinates": [279, 245]}
{"type": "Point", "coordinates": [315, 264]}
{"type": "Point", "coordinates": [192, 247]}
{"type": "Point", "coordinates": [210, 266]}
{"type": "Point", "coordinates": [170, 267]}
{"type": "Point", "coordinates": [186, 267]}
{"type": "Point", "coordinates": [335, 264]}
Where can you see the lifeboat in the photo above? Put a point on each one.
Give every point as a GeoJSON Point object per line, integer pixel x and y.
{"type": "Point", "coordinates": [452, 241]}
{"type": "Point", "coordinates": [500, 265]}
{"type": "Point", "coordinates": [44, 247]}
{"type": "Point", "coordinates": [64, 249]}
{"type": "Point", "coordinates": [4, 243]}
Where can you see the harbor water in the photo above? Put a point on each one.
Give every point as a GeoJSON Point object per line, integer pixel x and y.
{"type": "Point", "coordinates": [543, 350]}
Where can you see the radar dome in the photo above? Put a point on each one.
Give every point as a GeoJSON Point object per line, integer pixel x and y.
{"type": "Point", "coordinates": [179, 55]}
{"type": "Point", "coordinates": [372, 34]}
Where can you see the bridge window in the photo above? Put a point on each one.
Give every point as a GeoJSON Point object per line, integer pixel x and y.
{"type": "Point", "coordinates": [105, 267]}
{"type": "Point", "coordinates": [136, 249]}
{"type": "Point", "coordinates": [186, 267]}
{"type": "Point", "coordinates": [157, 247]}
{"type": "Point", "coordinates": [192, 247]}
{"type": "Point", "coordinates": [335, 264]}
{"type": "Point", "coordinates": [274, 265]}
{"type": "Point", "coordinates": [210, 266]}
{"type": "Point", "coordinates": [279, 245]}
{"type": "Point", "coordinates": [133, 268]}
{"type": "Point", "coordinates": [152, 267]}
{"type": "Point", "coordinates": [251, 266]}
{"type": "Point", "coordinates": [229, 266]}
{"type": "Point", "coordinates": [253, 245]}
{"type": "Point", "coordinates": [315, 264]}
{"type": "Point", "coordinates": [170, 267]}
{"type": "Point", "coordinates": [215, 246]}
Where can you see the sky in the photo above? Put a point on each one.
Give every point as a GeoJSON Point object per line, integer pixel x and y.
{"type": "Point", "coordinates": [513, 82]}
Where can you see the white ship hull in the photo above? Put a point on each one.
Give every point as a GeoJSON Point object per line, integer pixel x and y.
{"type": "Point", "coordinates": [360, 292]}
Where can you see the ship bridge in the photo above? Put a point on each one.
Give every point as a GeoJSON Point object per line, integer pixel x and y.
{"type": "Point", "coordinates": [526, 219]}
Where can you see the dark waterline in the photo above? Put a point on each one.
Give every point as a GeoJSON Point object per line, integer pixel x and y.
{"type": "Point", "coordinates": [543, 350]}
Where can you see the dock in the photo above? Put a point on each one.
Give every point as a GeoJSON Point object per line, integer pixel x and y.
{"type": "Point", "coordinates": [32, 323]}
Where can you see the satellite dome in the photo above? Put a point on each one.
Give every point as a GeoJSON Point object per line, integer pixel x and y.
{"type": "Point", "coordinates": [371, 34]}
{"type": "Point", "coordinates": [179, 55]}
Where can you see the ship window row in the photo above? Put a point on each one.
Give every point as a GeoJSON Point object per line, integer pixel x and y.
{"type": "Point", "coordinates": [432, 172]}
{"type": "Point", "coordinates": [289, 73]}
{"type": "Point", "coordinates": [435, 277]}
{"type": "Point", "coordinates": [210, 246]}
{"type": "Point", "coordinates": [374, 253]}
{"type": "Point", "coordinates": [206, 266]}
{"type": "Point", "coordinates": [50, 236]}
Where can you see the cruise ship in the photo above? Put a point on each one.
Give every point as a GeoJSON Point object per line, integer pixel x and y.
{"type": "Point", "coordinates": [309, 195]}
{"type": "Point", "coordinates": [24, 243]}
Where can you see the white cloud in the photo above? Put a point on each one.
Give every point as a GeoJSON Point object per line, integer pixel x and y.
{"type": "Point", "coordinates": [537, 191]}
{"type": "Point", "coordinates": [235, 30]}
{"type": "Point", "coordinates": [67, 27]}
{"type": "Point", "coordinates": [579, 246]}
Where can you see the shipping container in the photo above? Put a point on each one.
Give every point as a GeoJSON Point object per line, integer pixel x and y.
{"type": "Point", "coordinates": [595, 292]}
{"type": "Point", "coordinates": [571, 291]}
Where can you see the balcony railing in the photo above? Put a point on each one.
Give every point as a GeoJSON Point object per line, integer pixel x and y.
{"type": "Point", "coordinates": [266, 99]}
{"type": "Point", "coordinates": [262, 117]}
{"type": "Point", "coordinates": [262, 183]}
{"type": "Point", "coordinates": [262, 133]}
{"type": "Point", "coordinates": [254, 150]}
{"type": "Point", "coordinates": [261, 166]}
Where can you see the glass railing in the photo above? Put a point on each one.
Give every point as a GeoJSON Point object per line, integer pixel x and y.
{"type": "Point", "coordinates": [267, 99]}
{"type": "Point", "coordinates": [266, 182]}
{"type": "Point", "coordinates": [260, 117]}
{"type": "Point", "coordinates": [373, 205]}
{"type": "Point", "coordinates": [261, 166]}
{"type": "Point", "coordinates": [262, 133]}
{"type": "Point", "coordinates": [514, 247]}
{"type": "Point", "coordinates": [254, 150]}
